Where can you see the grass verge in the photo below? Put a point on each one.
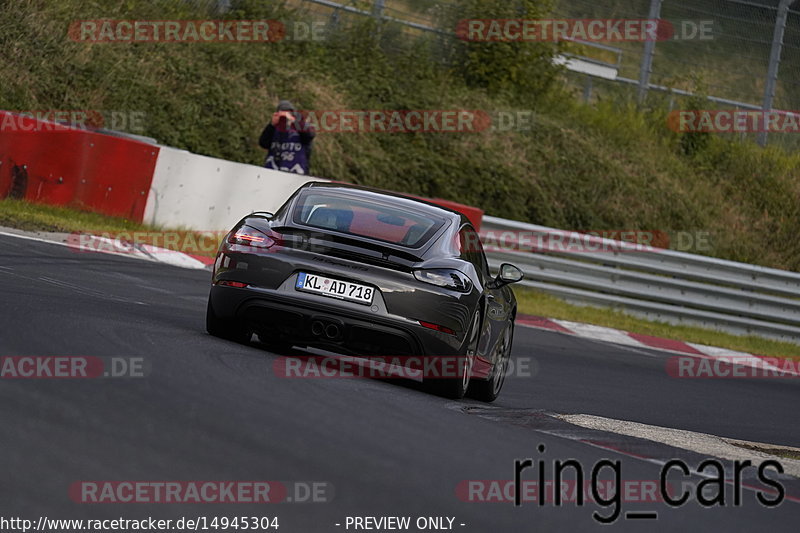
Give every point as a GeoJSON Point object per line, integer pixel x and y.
{"type": "Point", "coordinates": [29, 216]}
{"type": "Point", "coordinates": [38, 217]}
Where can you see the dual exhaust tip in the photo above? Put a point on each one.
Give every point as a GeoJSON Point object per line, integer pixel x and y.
{"type": "Point", "coordinates": [330, 330]}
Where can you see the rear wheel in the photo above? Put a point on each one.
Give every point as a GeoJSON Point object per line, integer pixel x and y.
{"type": "Point", "coordinates": [225, 329]}
{"type": "Point", "coordinates": [454, 384]}
{"type": "Point", "coordinates": [488, 390]}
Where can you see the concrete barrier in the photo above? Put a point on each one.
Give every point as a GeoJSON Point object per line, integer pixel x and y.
{"type": "Point", "coordinates": [203, 193]}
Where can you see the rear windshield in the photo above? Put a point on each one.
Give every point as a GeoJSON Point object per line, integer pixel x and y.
{"type": "Point", "coordinates": [373, 219]}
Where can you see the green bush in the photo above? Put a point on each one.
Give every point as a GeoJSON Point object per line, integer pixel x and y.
{"type": "Point", "coordinates": [523, 69]}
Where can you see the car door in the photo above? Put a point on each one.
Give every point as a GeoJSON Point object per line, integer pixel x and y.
{"type": "Point", "coordinates": [494, 302]}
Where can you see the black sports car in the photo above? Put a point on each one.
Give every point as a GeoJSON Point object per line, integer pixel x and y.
{"type": "Point", "coordinates": [363, 272]}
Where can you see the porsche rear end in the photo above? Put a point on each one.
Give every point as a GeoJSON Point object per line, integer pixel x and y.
{"type": "Point", "coordinates": [304, 278]}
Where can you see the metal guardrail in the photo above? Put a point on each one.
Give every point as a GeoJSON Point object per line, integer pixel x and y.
{"type": "Point", "coordinates": [660, 284]}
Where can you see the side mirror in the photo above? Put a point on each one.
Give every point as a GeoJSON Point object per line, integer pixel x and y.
{"type": "Point", "coordinates": [265, 214]}
{"type": "Point", "coordinates": [508, 274]}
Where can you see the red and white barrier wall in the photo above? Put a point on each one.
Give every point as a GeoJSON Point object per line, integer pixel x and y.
{"type": "Point", "coordinates": [48, 163]}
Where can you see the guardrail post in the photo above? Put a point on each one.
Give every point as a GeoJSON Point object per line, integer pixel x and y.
{"type": "Point", "coordinates": [649, 50]}
{"type": "Point", "coordinates": [377, 11]}
{"type": "Point", "coordinates": [587, 89]}
{"type": "Point", "coordinates": [774, 62]}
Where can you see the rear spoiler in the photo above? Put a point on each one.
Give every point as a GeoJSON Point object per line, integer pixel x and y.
{"type": "Point", "coordinates": [362, 248]}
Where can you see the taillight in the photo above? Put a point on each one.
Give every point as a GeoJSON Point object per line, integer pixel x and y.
{"type": "Point", "coordinates": [445, 277]}
{"type": "Point", "coordinates": [437, 327]}
{"type": "Point", "coordinates": [247, 236]}
{"type": "Point", "coordinates": [228, 283]}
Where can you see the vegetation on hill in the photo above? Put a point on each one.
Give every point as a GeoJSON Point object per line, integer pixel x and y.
{"type": "Point", "coordinates": [609, 165]}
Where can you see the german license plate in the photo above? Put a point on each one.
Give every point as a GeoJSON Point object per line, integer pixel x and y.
{"type": "Point", "coordinates": [334, 288]}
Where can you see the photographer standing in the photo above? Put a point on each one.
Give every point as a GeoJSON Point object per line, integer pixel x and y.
{"type": "Point", "coordinates": [287, 139]}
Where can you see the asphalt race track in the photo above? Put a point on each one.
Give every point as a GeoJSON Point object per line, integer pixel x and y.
{"type": "Point", "coordinates": [212, 410]}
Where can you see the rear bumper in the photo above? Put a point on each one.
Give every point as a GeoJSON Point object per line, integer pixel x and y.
{"type": "Point", "coordinates": [281, 317]}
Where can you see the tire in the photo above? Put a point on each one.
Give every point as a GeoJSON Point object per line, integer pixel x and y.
{"type": "Point", "coordinates": [225, 329]}
{"type": "Point", "coordinates": [454, 388]}
{"type": "Point", "coordinates": [487, 390]}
